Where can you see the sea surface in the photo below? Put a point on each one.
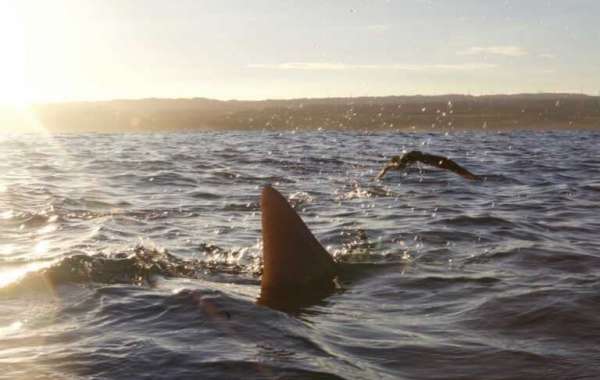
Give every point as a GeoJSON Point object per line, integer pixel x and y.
{"type": "Point", "coordinates": [137, 256]}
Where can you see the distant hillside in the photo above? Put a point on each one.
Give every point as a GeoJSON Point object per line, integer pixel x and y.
{"type": "Point", "coordinates": [423, 113]}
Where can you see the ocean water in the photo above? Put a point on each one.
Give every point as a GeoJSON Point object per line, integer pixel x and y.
{"type": "Point", "coordinates": [138, 256]}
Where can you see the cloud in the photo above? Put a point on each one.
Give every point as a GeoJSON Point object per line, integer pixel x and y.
{"type": "Point", "coordinates": [508, 50]}
{"type": "Point", "coordinates": [547, 56]}
{"type": "Point", "coordinates": [335, 66]}
{"type": "Point", "coordinates": [300, 66]}
{"type": "Point", "coordinates": [378, 27]}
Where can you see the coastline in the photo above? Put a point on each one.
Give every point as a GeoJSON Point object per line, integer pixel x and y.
{"type": "Point", "coordinates": [441, 113]}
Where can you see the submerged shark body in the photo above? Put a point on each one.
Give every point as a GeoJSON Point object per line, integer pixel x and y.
{"type": "Point", "coordinates": [297, 270]}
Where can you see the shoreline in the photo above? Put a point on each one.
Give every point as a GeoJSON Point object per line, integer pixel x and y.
{"type": "Point", "coordinates": [444, 113]}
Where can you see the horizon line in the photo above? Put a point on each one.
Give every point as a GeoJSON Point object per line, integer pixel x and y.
{"type": "Point", "coordinates": [133, 99]}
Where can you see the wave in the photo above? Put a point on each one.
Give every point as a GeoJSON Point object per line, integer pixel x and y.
{"type": "Point", "coordinates": [143, 266]}
{"type": "Point", "coordinates": [537, 257]}
{"type": "Point", "coordinates": [204, 195]}
{"type": "Point", "coordinates": [482, 221]}
{"type": "Point", "coordinates": [558, 312]}
{"type": "Point", "coordinates": [169, 179]}
{"type": "Point", "coordinates": [139, 266]}
{"type": "Point", "coordinates": [250, 206]}
{"type": "Point", "coordinates": [360, 192]}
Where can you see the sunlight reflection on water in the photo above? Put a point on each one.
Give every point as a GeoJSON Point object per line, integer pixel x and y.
{"type": "Point", "coordinates": [9, 275]}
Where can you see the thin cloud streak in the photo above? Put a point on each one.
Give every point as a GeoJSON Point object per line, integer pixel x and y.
{"type": "Point", "coordinates": [335, 66]}
{"type": "Point", "coordinates": [378, 27]}
{"type": "Point", "coordinates": [508, 50]}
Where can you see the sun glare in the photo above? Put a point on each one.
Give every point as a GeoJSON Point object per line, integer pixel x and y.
{"type": "Point", "coordinates": [12, 57]}
{"type": "Point", "coordinates": [11, 275]}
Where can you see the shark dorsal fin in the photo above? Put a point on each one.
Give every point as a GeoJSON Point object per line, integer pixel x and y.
{"type": "Point", "coordinates": [295, 264]}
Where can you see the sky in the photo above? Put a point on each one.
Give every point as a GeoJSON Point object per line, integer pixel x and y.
{"type": "Point", "coordinates": [71, 50]}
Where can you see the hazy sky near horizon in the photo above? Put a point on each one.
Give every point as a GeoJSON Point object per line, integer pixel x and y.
{"type": "Point", "coordinates": [102, 49]}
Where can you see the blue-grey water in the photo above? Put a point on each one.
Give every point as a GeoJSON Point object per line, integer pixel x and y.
{"type": "Point", "coordinates": [138, 256]}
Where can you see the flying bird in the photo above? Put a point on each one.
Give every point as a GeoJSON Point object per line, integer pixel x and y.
{"type": "Point", "coordinates": [402, 162]}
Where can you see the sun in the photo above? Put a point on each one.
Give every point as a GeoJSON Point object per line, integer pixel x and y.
{"type": "Point", "coordinates": [12, 57]}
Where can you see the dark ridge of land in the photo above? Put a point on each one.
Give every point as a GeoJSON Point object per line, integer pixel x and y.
{"type": "Point", "coordinates": [402, 113]}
